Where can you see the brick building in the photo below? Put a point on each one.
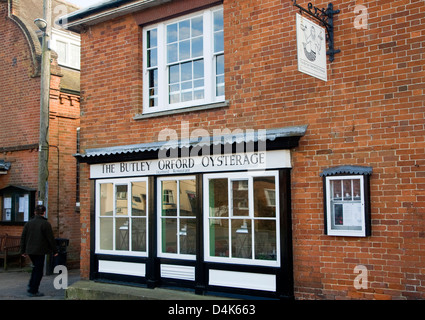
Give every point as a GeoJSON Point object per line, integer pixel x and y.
{"type": "Point", "coordinates": [210, 162]}
{"type": "Point", "coordinates": [20, 58]}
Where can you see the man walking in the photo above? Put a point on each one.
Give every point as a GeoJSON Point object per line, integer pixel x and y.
{"type": "Point", "coordinates": [37, 240]}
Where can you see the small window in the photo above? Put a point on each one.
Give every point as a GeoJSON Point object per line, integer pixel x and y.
{"type": "Point", "coordinates": [184, 62]}
{"type": "Point", "coordinates": [67, 46]}
{"type": "Point", "coordinates": [16, 204]}
{"type": "Point", "coordinates": [347, 210]}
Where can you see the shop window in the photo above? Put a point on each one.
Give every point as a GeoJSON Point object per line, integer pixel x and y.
{"type": "Point", "coordinates": [122, 214]}
{"type": "Point", "coordinates": [177, 217]}
{"type": "Point", "coordinates": [242, 218]}
{"type": "Point", "coordinates": [184, 62]}
{"type": "Point", "coordinates": [17, 204]}
{"type": "Point", "coordinates": [347, 209]}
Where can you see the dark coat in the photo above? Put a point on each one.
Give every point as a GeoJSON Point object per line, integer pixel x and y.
{"type": "Point", "coordinates": [37, 237]}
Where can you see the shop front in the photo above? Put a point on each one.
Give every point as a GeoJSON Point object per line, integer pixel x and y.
{"type": "Point", "coordinates": [203, 220]}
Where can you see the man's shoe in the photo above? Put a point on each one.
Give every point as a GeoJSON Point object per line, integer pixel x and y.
{"type": "Point", "coordinates": [38, 294]}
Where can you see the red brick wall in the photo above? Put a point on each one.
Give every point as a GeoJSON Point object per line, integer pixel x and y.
{"type": "Point", "coordinates": [19, 133]}
{"type": "Point", "coordinates": [370, 112]}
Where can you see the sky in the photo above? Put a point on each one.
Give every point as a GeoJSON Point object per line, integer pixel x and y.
{"type": "Point", "coordinates": [84, 3]}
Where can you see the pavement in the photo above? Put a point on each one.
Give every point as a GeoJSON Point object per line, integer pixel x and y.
{"type": "Point", "coordinates": [14, 281]}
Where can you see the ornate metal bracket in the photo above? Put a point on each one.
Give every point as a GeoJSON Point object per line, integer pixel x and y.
{"type": "Point", "coordinates": [325, 18]}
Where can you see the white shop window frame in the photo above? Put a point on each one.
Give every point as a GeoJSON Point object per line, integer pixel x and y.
{"type": "Point", "coordinates": [116, 182]}
{"type": "Point", "coordinates": [241, 176]}
{"type": "Point", "coordinates": [334, 231]}
{"type": "Point", "coordinates": [178, 217]}
{"type": "Point", "coordinates": [209, 57]}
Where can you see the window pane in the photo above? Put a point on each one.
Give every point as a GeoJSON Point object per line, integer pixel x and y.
{"type": "Point", "coordinates": [184, 30]}
{"type": "Point", "coordinates": [138, 234]}
{"type": "Point", "coordinates": [184, 50]}
{"type": "Point", "coordinates": [264, 197]}
{"type": "Point", "coordinates": [106, 234]}
{"type": "Point", "coordinates": [198, 94]}
{"type": "Point", "coordinates": [106, 199]}
{"type": "Point", "coordinates": [198, 69]}
{"type": "Point", "coordinates": [356, 189]}
{"type": "Point", "coordinates": [220, 65]}
{"type": "Point", "coordinates": [218, 198]}
{"type": "Point", "coordinates": [174, 98]}
{"type": "Point", "coordinates": [138, 198]}
{"type": "Point", "coordinates": [219, 41]}
{"type": "Point", "coordinates": [172, 33]}
{"type": "Point", "coordinates": [197, 47]}
{"type": "Point", "coordinates": [61, 51]}
{"type": "Point", "coordinates": [74, 56]}
{"type": "Point", "coordinates": [121, 205]}
{"type": "Point", "coordinates": [169, 235]}
{"type": "Point", "coordinates": [172, 53]}
{"type": "Point", "coordinates": [152, 38]}
{"type": "Point", "coordinates": [152, 58]}
{"type": "Point", "coordinates": [187, 234]}
{"type": "Point", "coordinates": [121, 234]}
{"type": "Point", "coordinates": [218, 20]}
{"type": "Point", "coordinates": [347, 189]}
{"type": "Point", "coordinates": [265, 239]}
{"type": "Point", "coordinates": [336, 187]}
{"type": "Point", "coordinates": [169, 200]}
{"type": "Point", "coordinates": [241, 239]}
{"type": "Point", "coordinates": [219, 237]}
{"type": "Point", "coordinates": [174, 74]}
{"type": "Point", "coordinates": [220, 75]}
{"type": "Point", "coordinates": [197, 27]}
{"type": "Point", "coordinates": [186, 71]}
{"type": "Point", "coordinates": [240, 200]}
{"type": "Point", "coordinates": [218, 31]}
{"type": "Point", "coordinates": [188, 198]}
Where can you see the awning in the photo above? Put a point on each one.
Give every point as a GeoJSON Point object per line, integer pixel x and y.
{"type": "Point", "coordinates": [274, 139]}
{"type": "Point", "coordinates": [346, 170]}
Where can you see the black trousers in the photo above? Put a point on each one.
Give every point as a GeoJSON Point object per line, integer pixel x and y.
{"type": "Point", "coordinates": [37, 272]}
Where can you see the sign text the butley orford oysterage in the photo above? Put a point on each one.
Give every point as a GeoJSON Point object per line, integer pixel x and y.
{"type": "Point", "coordinates": [260, 160]}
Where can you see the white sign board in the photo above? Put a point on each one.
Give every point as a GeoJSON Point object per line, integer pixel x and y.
{"type": "Point", "coordinates": [311, 44]}
{"type": "Point", "coordinates": [260, 160]}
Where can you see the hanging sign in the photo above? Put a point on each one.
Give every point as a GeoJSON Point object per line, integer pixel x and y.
{"type": "Point", "coordinates": [311, 45]}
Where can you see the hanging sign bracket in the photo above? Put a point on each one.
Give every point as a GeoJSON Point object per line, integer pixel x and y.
{"type": "Point", "coordinates": [325, 17]}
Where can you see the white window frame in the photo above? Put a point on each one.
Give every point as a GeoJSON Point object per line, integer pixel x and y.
{"type": "Point", "coordinates": [69, 39]}
{"type": "Point", "coordinates": [209, 58]}
{"type": "Point", "coordinates": [341, 231]}
{"type": "Point", "coordinates": [241, 176]}
{"type": "Point", "coordinates": [117, 182]}
{"type": "Point", "coordinates": [178, 217]}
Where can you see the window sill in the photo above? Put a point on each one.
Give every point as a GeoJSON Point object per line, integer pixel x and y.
{"type": "Point", "coordinates": [182, 110]}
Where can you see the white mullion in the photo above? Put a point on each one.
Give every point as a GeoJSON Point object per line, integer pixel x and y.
{"type": "Point", "coordinates": [230, 204]}
{"type": "Point", "coordinates": [163, 93]}
{"type": "Point", "coordinates": [251, 212]}
{"type": "Point", "coordinates": [208, 55]}
{"type": "Point", "coordinates": [178, 216]}
{"type": "Point", "coordinates": [130, 214]}
{"type": "Point", "coordinates": [114, 213]}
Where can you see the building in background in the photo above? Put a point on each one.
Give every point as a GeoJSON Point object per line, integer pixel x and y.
{"type": "Point", "coordinates": [210, 162]}
{"type": "Point", "coordinates": [20, 63]}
